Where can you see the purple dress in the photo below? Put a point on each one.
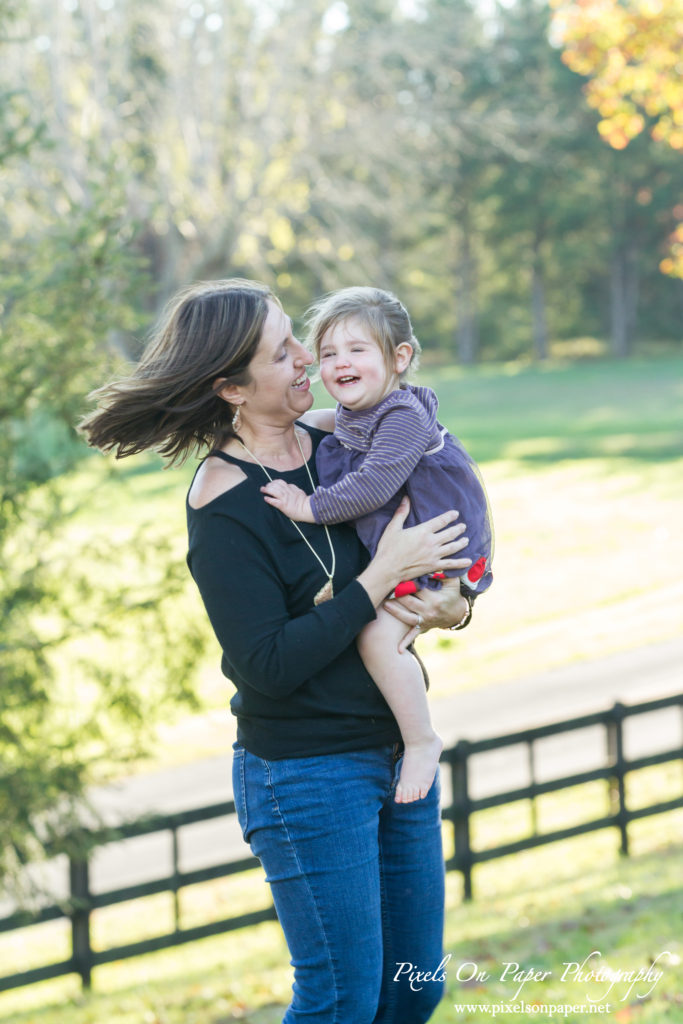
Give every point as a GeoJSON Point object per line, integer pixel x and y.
{"type": "Point", "coordinates": [398, 447]}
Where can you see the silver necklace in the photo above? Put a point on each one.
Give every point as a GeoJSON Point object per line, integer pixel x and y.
{"type": "Point", "coordinates": [326, 591]}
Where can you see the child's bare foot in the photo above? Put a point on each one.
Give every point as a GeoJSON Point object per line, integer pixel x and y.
{"type": "Point", "coordinates": [420, 762]}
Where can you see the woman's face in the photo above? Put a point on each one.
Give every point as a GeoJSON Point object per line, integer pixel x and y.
{"type": "Point", "coordinates": [279, 389]}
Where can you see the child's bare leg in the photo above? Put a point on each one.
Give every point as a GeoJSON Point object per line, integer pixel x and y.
{"type": "Point", "coordinates": [399, 679]}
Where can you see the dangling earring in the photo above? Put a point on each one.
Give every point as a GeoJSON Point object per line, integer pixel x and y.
{"type": "Point", "coordinates": [236, 420]}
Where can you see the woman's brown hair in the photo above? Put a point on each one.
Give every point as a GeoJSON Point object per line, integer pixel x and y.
{"type": "Point", "coordinates": [208, 332]}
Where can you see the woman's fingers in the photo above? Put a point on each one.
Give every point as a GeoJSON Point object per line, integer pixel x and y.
{"type": "Point", "coordinates": [428, 547]}
{"type": "Point", "coordinates": [442, 531]}
{"type": "Point", "coordinates": [410, 606]}
{"type": "Point", "coordinates": [441, 521]}
{"type": "Point", "coordinates": [449, 542]}
{"type": "Point", "coordinates": [395, 608]}
{"type": "Point", "coordinates": [459, 563]}
{"type": "Point", "coordinates": [400, 515]}
{"type": "Point", "coordinates": [408, 609]}
{"type": "Point", "coordinates": [429, 609]}
{"type": "Point", "coordinates": [440, 551]}
{"type": "Point", "coordinates": [445, 533]}
{"type": "Point", "coordinates": [444, 546]}
{"type": "Point", "coordinates": [442, 526]}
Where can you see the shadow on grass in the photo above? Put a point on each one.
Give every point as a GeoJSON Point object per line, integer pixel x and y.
{"type": "Point", "coordinates": [618, 449]}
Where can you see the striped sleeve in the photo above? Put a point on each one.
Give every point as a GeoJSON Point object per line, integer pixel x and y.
{"type": "Point", "coordinates": [401, 437]}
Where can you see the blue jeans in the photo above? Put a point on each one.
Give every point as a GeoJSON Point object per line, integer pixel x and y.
{"type": "Point", "coordinates": [357, 882]}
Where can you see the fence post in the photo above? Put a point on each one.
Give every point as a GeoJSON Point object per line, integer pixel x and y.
{"type": "Point", "coordinates": [617, 789]}
{"type": "Point", "coordinates": [79, 881]}
{"type": "Point", "coordinates": [531, 764]}
{"type": "Point", "coordinates": [176, 897]}
{"type": "Point", "coordinates": [461, 814]}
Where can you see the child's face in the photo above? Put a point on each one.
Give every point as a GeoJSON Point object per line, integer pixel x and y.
{"type": "Point", "coordinates": [352, 366]}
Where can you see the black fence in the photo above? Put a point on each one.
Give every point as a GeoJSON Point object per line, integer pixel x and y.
{"type": "Point", "coordinates": [82, 902]}
{"type": "Point", "coordinates": [614, 772]}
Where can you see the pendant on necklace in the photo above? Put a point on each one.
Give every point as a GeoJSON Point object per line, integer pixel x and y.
{"type": "Point", "coordinates": [324, 594]}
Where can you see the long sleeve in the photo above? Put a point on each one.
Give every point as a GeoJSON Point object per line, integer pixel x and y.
{"type": "Point", "coordinates": [249, 605]}
{"type": "Point", "coordinates": [401, 437]}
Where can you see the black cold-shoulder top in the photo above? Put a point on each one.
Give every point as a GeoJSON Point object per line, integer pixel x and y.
{"type": "Point", "coordinates": [302, 688]}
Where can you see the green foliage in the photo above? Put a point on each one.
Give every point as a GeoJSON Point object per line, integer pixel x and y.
{"type": "Point", "coordinates": [442, 149]}
{"type": "Point", "coordinates": [89, 652]}
{"type": "Point", "coordinates": [94, 644]}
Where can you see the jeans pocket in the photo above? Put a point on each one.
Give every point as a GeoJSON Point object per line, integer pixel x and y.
{"type": "Point", "coordinates": [239, 790]}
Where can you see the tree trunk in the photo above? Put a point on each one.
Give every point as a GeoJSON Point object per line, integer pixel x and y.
{"type": "Point", "coordinates": [466, 331]}
{"type": "Point", "coordinates": [624, 297]}
{"type": "Point", "coordinates": [538, 305]}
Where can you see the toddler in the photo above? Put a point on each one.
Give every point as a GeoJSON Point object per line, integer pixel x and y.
{"type": "Point", "coordinates": [387, 443]}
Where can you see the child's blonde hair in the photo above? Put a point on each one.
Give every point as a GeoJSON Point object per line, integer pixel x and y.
{"type": "Point", "coordinates": [385, 317]}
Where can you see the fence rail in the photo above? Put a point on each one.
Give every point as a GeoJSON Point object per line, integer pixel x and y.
{"type": "Point", "coordinates": [459, 813]}
{"type": "Point", "coordinates": [81, 902]}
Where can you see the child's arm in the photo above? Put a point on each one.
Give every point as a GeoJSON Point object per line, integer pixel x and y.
{"type": "Point", "coordinates": [401, 438]}
{"type": "Point", "coordinates": [290, 499]}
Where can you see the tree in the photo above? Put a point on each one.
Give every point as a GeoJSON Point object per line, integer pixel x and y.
{"type": "Point", "coordinates": [630, 53]}
{"type": "Point", "coordinates": [540, 194]}
{"type": "Point", "coordinates": [556, 197]}
{"type": "Point", "coordinates": [89, 653]}
{"type": "Point", "coordinates": [460, 131]}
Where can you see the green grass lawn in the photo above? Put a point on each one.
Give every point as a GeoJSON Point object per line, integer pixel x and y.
{"type": "Point", "coordinates": [541, 909]}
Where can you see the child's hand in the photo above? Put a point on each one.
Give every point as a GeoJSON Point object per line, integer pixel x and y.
{"type": "Point", "coordinates": [289, 499]}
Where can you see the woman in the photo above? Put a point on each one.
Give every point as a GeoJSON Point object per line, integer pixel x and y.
{"type": "Point", "coordinates": [357, 879]}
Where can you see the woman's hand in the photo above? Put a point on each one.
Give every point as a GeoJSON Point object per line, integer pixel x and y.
{"type": "Point", "coordinates": [403, 554]}
{"type": "Point", "coordinates": [426, 548]}
{"type": "Point", "coordinates": [429, 609]}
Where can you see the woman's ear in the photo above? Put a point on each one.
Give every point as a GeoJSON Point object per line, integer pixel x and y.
{"type": "Point", "coordinates": [230, 393]}
{"type": "Point", "coordinates": [403, 354]}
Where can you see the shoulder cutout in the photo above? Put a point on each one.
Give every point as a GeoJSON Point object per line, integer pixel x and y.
{"type": "Point", "coordinates": [214, 477]}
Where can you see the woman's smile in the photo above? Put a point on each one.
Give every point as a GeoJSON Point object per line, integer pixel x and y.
{"type": "Point", "coordinates": [277, 370]}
